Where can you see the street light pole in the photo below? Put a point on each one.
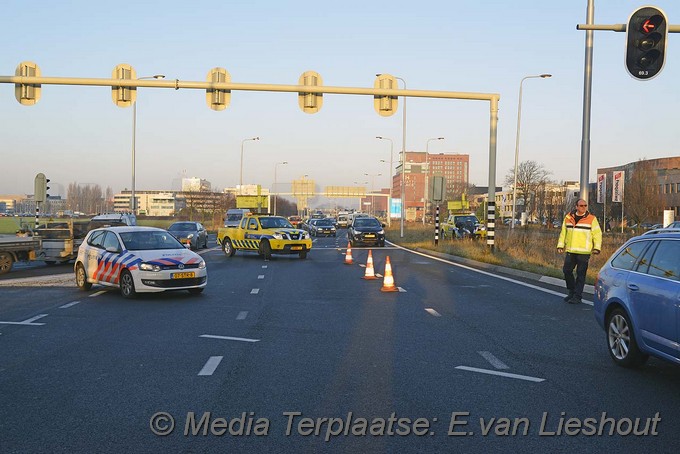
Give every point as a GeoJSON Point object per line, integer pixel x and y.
{"type": "Point", "coordinates": [240, 189]}
{"type": "Point", "coordinates": [275, 196]}
{"type": "Point", "coordinates": [519, 116]}
{"type": "Point", "coordinates": [372, 190]}
{"type": "Point", "coordinates": [427, 174]}
{"type": "Point", "coordinates": [389, 199]}
{"type": "Point", "coordinates": [133, 200]}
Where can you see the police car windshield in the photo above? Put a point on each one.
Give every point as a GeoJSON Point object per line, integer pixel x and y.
{"type": "Point", "coordinates": [275, 223]}
{"type": "Point", "coordinates": [143, 241]}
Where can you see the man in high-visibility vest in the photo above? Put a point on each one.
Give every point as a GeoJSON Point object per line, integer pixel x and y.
{"type": "Point", "coordinates": [581, 235]}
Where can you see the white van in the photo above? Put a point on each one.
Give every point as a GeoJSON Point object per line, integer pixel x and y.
{"type": "Point", "coordinates": [234, 216]}
{"type": "Point", "coordinates": [111, 219]}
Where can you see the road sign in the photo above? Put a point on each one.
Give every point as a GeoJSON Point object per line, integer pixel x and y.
{"type": "Point", "coordinates": [310, 102]}
{"type": "Point", "coordinates": [216, 98]}
{"type": "Point", "coordinates": [385, 105]}
{"type": "Point", "coordinates": [27, 94]}
{"type": "Point", "coordinates": [124, 96]}
{"type": "Point", "coordinates": [646, 38]}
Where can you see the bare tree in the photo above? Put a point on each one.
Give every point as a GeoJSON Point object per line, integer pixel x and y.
{"type": "Point", "coordinates": [530, 177]}
{"type": "Point", "coordinates": [641, 197]}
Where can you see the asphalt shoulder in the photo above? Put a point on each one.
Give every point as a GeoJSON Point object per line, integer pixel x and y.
{"type": "Point", "coordinates": [525, 276]}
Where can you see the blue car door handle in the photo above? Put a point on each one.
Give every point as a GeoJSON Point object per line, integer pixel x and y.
{"type": "Point", "coordinates": [633, 287]}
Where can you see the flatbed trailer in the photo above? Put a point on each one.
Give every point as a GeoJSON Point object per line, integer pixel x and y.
{"type": "Point", "coordinates": [14, 249]}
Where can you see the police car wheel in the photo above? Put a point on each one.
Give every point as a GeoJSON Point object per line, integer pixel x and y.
{"type": "Point", "coordinates": [81, 278]}
{"type": "Point", "coordinates": [127, 285]}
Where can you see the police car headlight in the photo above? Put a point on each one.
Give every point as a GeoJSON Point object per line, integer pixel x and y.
{"type": "Point", "coordinates": [201, 265]}
{"type": "Point", "coordinates": [306, 236]}
{"type": "Point", "coordinates": [278, 236]}
{"type": "Point", "coordinates": [149, 267]}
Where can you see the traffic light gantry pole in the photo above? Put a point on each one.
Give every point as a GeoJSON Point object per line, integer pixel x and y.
{"type": "Point", "coordinates": [28, 81]}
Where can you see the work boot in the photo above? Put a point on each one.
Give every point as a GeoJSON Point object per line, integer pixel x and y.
{"type": "Point", "coordinates": [568, 297]}
{"type": "Point", "coordinates": [574, 300]}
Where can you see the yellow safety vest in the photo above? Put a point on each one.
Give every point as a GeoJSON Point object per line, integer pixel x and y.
{"type": "Point", "coordinates": [581, 237]}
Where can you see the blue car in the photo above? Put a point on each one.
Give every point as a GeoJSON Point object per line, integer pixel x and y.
{"type": "Point", "coordinates": [637, 299]}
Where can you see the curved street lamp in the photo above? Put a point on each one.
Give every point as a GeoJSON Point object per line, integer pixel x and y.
{"type": "Point", "coordinates": [241, 178]}
{"type": "Point", "coordinates": [133, 199]}
{"type": "Point", "coordinates": [519, 116]}
{"type": "Point", "coordinates": [275, 196]}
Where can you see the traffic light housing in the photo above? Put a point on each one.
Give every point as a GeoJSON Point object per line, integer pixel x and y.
{"type": "Point", "coordinates": [646, 37]}
{"type": "Point", "coordinates": [40, 188]}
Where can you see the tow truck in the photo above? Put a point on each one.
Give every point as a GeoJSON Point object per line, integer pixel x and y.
{"type": "Point", "coordinates": [265, 235]}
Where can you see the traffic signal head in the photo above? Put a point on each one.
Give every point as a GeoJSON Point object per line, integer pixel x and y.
{"type": "Point", "coordinates": [40, 188]}
{"type": "Point", "coordinates": [646, 35]}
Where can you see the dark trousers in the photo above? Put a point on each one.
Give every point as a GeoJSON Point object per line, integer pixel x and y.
{"type": "Point", "coordinates": [580, 262]}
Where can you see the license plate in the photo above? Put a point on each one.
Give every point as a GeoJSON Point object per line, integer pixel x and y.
{"type": "Point", "coordinates": [296, 248]}
{"type": "Point", "coordinates": [183, 275]}
{"type": "Point", "coordinates": [370, 235]}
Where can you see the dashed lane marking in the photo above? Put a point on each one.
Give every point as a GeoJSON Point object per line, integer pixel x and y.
{"type": "Point", "coordinates": [501, 374]}
{"type": "Point", "coordinates": [242, 315]}
{"type": "Point", "coordinates": [66, 306]}
{"type": "Point", "coordinates": [28, 322]}
{"type": "Point", "coordinates": [211, 365]}
{"type": "Point", "coordinates": [431, 311]}
{"type": "Point", "coordinates": [495, 362]}
{"type": "Point", "coordinates": [239, 339]}
{"type": "Point", "coordinates": [255, 291]}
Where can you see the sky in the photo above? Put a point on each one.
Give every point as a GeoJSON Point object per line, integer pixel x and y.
{"type": "Point", "coordinates": [76, 134]}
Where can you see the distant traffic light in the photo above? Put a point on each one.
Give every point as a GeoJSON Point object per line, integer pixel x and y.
{"type": "Point", "coordinates": [40, 188]}
{"type": "Point", "coordinates": [646, 35]}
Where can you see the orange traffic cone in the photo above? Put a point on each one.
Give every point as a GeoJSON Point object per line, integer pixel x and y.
{"type": "Point", "coordinates": [388, 281]}
{"type": "Point", "coordinates": [348, 254]}
{"type": "Point", "coordinates": [370, 273]}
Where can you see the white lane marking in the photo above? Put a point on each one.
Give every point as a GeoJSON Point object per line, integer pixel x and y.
{"type": "Point", "coordinates": [495, 362]}
{"type": "Point", "coordinates": [264, 267]}
{"type": "Point", "coordinates": [486, 273]}
{"type": "Point", "coordinates": [66, 306]}
{"type": "Point", "coordinates": [242, 315]}
{"type": "Point", "coordinates": [240, 339]}
{"type": "Point", "coordinates": [431, 311]}
{"type": "Point", "coordinates": [101, 292]}
{"type": "Point", "coordinates": [401, 290]}
{"type": "Point", "coordinates": [260, 276]}
{"type": "Point", "coordinates": [28, 322]}
{"type": "Point", "coordinates": [501, 374]}
{"type": "Point", "coordinates": [255, 291]}
{"type": "Point", "coordinates": [32, 319]}
{"type": "Point", "coordinates": [211, 365]}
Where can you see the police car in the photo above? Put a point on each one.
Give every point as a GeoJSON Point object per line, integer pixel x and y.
{"type": "Point", "coordinates": [138, 259]}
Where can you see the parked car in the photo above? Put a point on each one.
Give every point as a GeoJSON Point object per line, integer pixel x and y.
{"type": "Point", "coordinates": [636, 299]}
{"type": "Point", "coordinates": [138, 259]}
{"type": "Point", "coordinates": [191, 234]}
{"type": "Point", "coordinates": [366, 230]}
{"type": "Point", "coordinates": [673, 225]}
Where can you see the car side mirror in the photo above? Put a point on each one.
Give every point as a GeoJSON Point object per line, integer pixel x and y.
{"type": "Point", "coordinates": [383, 225]}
